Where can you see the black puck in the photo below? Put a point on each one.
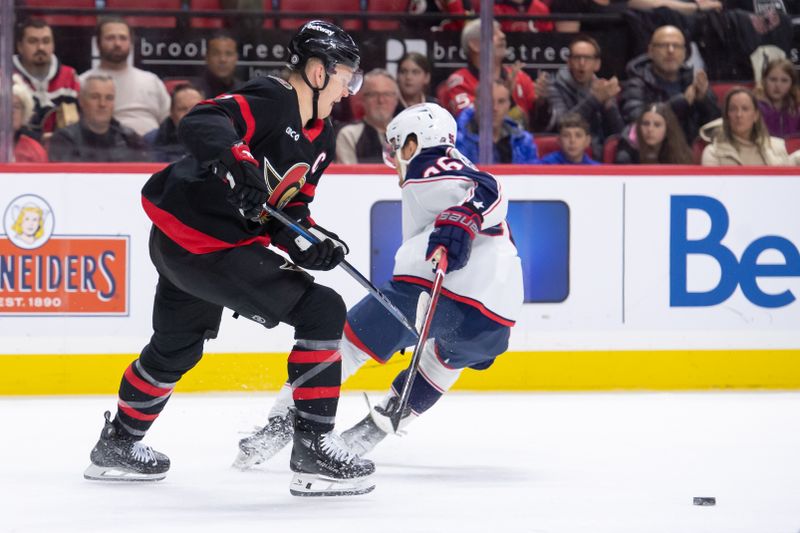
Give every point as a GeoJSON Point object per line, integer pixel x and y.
{"type": "Point", "coordinates": [704, 500]}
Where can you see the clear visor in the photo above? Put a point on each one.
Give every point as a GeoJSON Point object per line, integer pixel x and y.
{"type": "Point", "coordinates": [350, 79]}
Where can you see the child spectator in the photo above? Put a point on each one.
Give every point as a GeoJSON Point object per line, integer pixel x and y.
{"type": "Point", "coordinates": [657, 138]}
{"type": "Point", "coordinates": [511, 144]}
{"type": "Point", "coordinates": [574, 139]}
{"type": "Point", "coordinates": [778, 95]}
{"type": "Point", "coordinates": [743, 138]}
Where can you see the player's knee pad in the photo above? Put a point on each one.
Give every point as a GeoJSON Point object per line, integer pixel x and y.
{"type": "Point", "coordinates": [434, 371]}
{"type": "Point", "coordinates": [319, 314]}
{"type": "Point", "coordinates": [352, 358]}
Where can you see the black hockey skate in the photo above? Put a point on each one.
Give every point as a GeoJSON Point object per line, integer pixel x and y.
{"type": "Point", "coordinates": [121, 458]}
{"type": "Point", "coordinates": [324, 467]}
{"type": "Point", "coordinates": [262, 445]}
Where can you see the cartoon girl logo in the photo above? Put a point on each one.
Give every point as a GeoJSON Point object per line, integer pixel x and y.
{"type": "Point", "coordinates": [28, 221]}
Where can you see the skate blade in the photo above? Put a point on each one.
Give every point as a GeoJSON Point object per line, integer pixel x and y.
{"type": "Point", "coordinates": [103, 473]}
{"type": "Point", "coordinates": [316, 485]}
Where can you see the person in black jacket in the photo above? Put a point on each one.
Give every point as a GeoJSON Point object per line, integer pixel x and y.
{"type": "Point", "coordinates": [163, 142]}
{"type": "Point", "coordinates": [97, 137]}
{"type": "Point", "coordinates": [267, 143]}
{"type": "Point", "coordinates": [661, 76]}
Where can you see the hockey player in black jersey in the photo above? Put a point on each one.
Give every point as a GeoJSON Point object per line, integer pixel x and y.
{"type": "Point", "coordinates": [268, 142]}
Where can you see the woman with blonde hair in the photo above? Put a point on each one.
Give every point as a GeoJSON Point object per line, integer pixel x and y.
{"type": "Point", "coordinates": [743, 138]}
{"type": "Point", "coordinates": [26, 148]}
{"type": "Point", "coordinates": [778, 95]}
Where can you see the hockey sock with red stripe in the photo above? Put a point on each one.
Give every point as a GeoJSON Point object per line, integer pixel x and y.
{"type": "Point", "coordinates": [141, 400]}
{"type": "Point", "coordinates": [315, 372]}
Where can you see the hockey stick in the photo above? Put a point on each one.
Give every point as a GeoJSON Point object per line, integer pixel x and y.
{"type": "Point", "coordinates": [347, 267]}
{"type": "Point", "coordinates": [440, 260]}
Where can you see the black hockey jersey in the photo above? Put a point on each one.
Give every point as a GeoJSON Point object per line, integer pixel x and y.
{"type": "Point", "coordinates": [188, 202]}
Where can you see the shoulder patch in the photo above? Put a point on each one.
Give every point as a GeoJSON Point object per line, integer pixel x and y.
{"type": "Point", "coordinates": [282, 82]}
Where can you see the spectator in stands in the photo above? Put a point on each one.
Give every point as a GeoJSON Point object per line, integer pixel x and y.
{"type": "Point", "coordinates": [163, 142]}
{"type": "Point", "coordinates": [462, 85]}
{"type": "Point", "coordinates": [54, 86]}
{"type": "Point", "coordinates": [363, 141]}
{"type": "Point", "coordinates": [577, 89]}
{"type": "Point", "coordinates": [778, 95]}
{"type": "Point", "coordinates": [142, 101]}
{"type": "Point", "coordinates": [661, 76]}
{"type": "Point", "coordinates": [220, 74]}
{"type": "Point", "coordinates": [655, 139]}
{"type": "Point", "coordinates": [574, 138]}
{"type": "Point", "coordinates": [26, 148]}
{"type": "Point", "coordinates": [743, 138]}
{"type": "Point", "coordinates": [98, 136]}
{"type": "Point", "coordinates": [413, 80]}
{"type": "Point", "coordinates": [511, 144]}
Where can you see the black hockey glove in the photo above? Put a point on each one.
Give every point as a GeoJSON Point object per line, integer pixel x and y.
{"type": "Point", "coordinates": [324, 255]}
{"type": "Point", "coordinates": [249, 191]}
{"type": "Point", "coordinates": [454, 229]}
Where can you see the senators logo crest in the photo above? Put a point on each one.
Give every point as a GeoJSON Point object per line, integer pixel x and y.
{"type": "Point", "coordinates": [283, 187]}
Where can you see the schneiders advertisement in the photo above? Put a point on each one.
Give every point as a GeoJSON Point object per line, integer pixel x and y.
{"type": "Point", "coordinates": [611, 262]}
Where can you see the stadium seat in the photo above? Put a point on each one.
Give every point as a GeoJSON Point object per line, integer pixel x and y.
{"type": "Point", "coordinates": [356, 103]}
{"type": "Point", "coordinates": [697, 150]}
{"type": "Point", "coordinates": [312, 8]}
{"type": "Point", "coordinates": [64, 20]}
{"type": "Point", "coordinates": [610, 149]}
{"type": "Point", "coordinates": [152, 5]}
{"type": "Point", "coordinates": [721, 88]}
{"type": "Point", "coordinates": [386, 6]}
{"type": "Point", "coordinates": [546, 144]}
{"type": "Point", "coordinates": [792, 144]}
{"type": "Point", "coordinates": [171, 83]}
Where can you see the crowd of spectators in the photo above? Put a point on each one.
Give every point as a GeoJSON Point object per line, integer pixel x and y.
{"type": "Point", "coordinates": [662, 110]}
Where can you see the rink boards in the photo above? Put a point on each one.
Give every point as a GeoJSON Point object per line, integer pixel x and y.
{"type": "Point", "coordinates": [636, 278]}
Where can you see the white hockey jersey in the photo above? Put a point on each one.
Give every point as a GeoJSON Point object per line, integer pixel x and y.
{"type": "Point", "coordinates": [491, 281]}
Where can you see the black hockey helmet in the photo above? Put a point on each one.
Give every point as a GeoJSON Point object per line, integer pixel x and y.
{"type": "Point", "coordinates": [326, 41]}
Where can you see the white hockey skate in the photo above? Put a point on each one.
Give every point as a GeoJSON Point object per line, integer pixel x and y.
{"type": "Point", "coordinates": [323, 466]}
{"type": "Point", "coordinates": [119, 458]}
{"type": "Point", "coordinates": [262, 445]}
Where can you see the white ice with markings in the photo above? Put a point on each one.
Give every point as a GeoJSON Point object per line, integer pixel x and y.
{"type": "Point", "coordinates": [535, 463]}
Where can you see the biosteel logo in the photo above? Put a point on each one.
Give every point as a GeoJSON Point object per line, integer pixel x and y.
{"type": "Point", "coordinates": [46, 274]}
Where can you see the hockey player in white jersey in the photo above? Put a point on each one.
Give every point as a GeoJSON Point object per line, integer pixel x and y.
{"type": "Point", "coordinates": [446, 202]}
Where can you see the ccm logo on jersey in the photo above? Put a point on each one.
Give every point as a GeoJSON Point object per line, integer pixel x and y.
{"type": "Point", "coordinates": [293, 134]}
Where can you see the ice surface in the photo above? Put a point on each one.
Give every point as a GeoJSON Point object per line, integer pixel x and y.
{"type": "Point", "coordinates": [616, 463]}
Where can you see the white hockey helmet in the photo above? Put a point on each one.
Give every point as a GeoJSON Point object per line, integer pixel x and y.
{"type": "Point", "coordinates": [431, 124]}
